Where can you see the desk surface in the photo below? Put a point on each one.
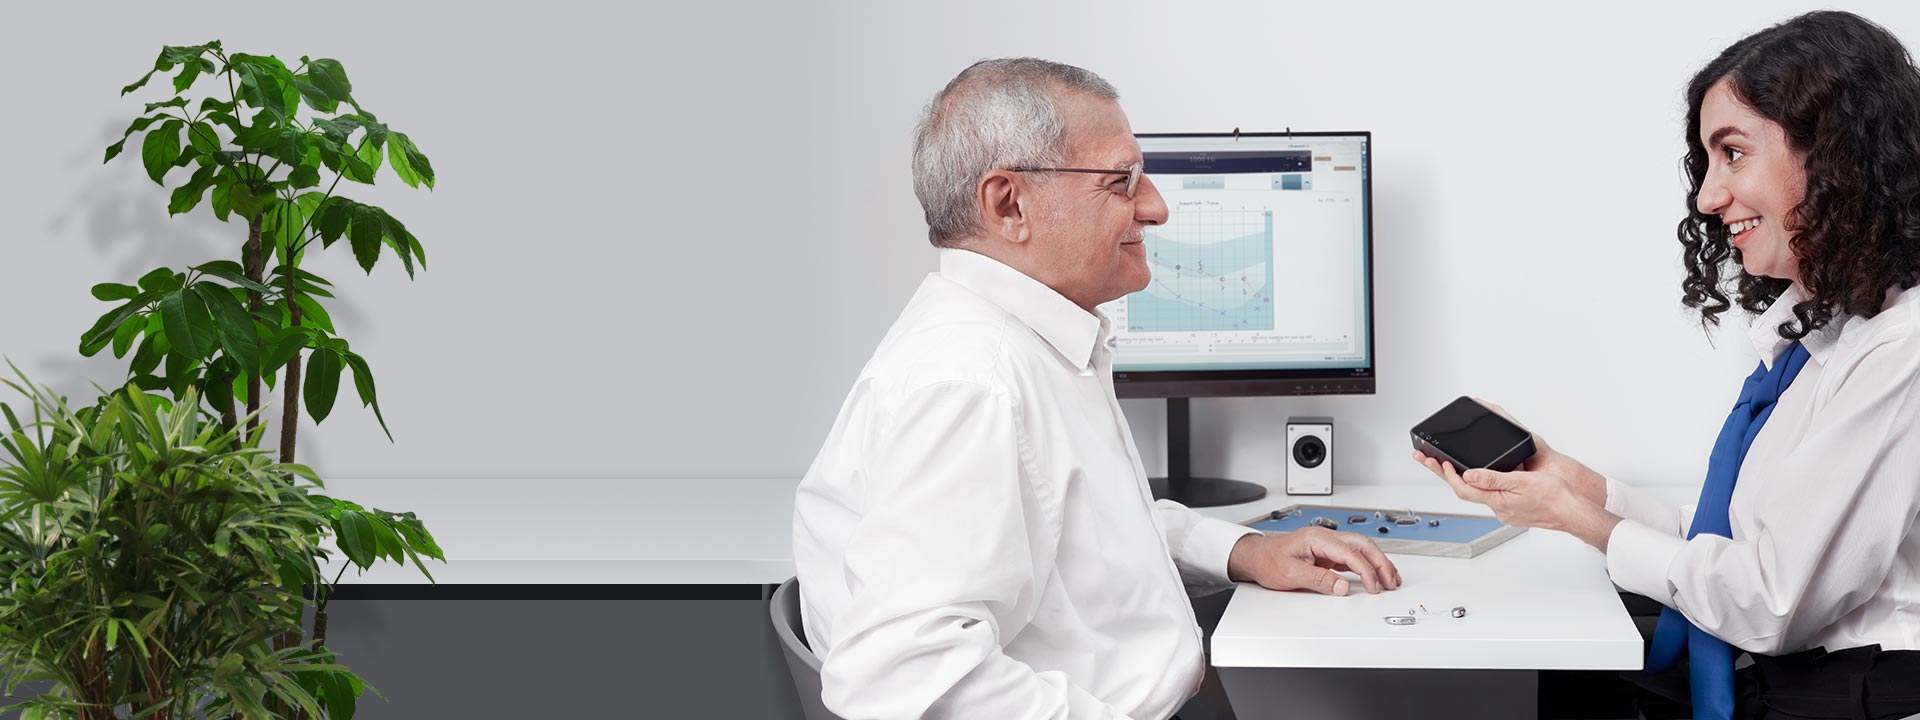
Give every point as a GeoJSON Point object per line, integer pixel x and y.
{"type": "Point", "coordinates": [694, 532]}
{"type": "Point", "coordinates": [1538, 601]}
{"type": "Point", "coordinates": [590, 532]}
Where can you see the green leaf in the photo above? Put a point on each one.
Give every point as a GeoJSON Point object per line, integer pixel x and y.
{"type": "Point", "coordinates": [231, 271]}
{"type": "Point", "coordinates": [315, 97]}
{"type": "Point", "coordinates": [187, 196]}
{"type": "Point", "coordinates": [178, 102]}
{"type": "Point", "coordinates": [238, 337]}
{"type": "Point", "coordinates": [115, 291]}
{"type": "Point", "coordinates": [376, 131]}
{"type": "Point", "coordinates": [137, 84]}
{"type": "Point", "coordinates": [263, 134]}
{"type": "Point", "coordinates": [355, 534]}
{"type": "Point", "coordinates": [147, 357]}
{"type": "Point", "coordinates": [337, 129]}
{"type": "Point", "coordinates": [103, 329]}
{"type": "Point", "coordinates": [408, 162]}
{"type": "Point", "coordinates": [201, 135]}
{"type": "Point", "coordinates": [369, 154]}
{"type": "Point", "coordinates": [188, 324]}
{"type": "Point", "coordinates": [220, 394]}
{"type": "Point", "coordinates": [341, 697]}
{"type": "Point", "coordinates": [123, 338]}
{"type": "Point", "coordinates": [282, 344]}
{"type": "Point", "coordinates": [399, 239]}
{"type": "Point", "coordinates": [281, 228]}
{"type": "Point", "coordinates": [311, 313]}
{"type": "Point", "coordinates": [179, 365]}
{"type": "Point", "coordinates": [139, 123]}
{"type": "Point", "coordinates": [189, 71]}
{"type": "Point", "coordinates": [303, 177]}
{"type": "Point", "coordinates": [322, 383]}
{"type": "Point", "coordinates": [365, 232]}
{"type": "Point", "coordinates": [160, 149]}
{"type": "Point", "coordinates": [334, 215]}
{"type": "Point", "coordinates": [363, 384]}
{"type": "Point", "coordinates": [331, 78]}
{"type": "Point", "coordinates": [223, 197]}
{"type": "Point", "coordinates": [160, 279]}
{"type": "Point", "coordinates": [244, 201]}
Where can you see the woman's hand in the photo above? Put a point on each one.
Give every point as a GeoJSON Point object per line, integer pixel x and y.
{"type": "Point", "coordinates": [1549, 490]}
{"type": "Point", "coordinates": [1579, 478]}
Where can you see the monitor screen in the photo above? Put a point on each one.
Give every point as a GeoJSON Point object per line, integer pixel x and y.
{"type": "Point", "coordinates": [1262, 277]}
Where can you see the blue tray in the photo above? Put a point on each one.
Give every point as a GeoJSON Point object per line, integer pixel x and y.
{"type": "Point", "coordinates": [1461, 536]}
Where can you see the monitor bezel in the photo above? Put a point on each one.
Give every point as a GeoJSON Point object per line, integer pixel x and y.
{"type": "Point", "coordinates": [1278, 381]}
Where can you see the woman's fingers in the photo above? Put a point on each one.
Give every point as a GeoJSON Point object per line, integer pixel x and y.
{"type": "Point", "coordinates": [1460, 487]}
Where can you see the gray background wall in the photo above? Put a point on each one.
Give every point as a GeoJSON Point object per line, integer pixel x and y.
{"type": "Point", "coordinates": [667, 236]}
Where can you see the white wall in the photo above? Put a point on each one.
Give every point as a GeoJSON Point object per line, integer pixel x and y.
{"type": "Point", "coordinates": [665, 238]}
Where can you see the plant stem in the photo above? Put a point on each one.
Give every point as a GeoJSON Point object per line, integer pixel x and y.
{"type": "Point", "coordinates": [290, 417]}
{"type": "Point", "coordinates": [255, 303]}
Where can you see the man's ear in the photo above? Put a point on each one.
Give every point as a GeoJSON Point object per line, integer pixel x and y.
{"type": "Point", "coordinates": [1003, 205]}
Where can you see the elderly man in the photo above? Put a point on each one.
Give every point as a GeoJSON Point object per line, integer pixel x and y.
{"type": "Point", "coordinates": [976, 538]}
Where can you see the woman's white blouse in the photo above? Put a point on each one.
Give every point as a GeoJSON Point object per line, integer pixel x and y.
{"type": "Point", "coordinates": [1825, 551]}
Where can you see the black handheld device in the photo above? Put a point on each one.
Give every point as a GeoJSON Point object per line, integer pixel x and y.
{"type": "Point", "coordinates": [1470, 435]}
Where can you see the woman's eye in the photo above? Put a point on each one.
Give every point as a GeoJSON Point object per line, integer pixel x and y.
{"type": "Point", "coordinates": [1734, 154]}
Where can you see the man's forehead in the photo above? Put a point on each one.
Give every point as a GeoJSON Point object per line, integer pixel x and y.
{"type": "Point", "coordinates": [1098, 132]}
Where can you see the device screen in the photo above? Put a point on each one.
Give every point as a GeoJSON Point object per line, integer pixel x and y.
{"type": "Point", "coordinates": [1471, 433]}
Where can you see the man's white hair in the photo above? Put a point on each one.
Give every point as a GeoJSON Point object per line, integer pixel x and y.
{"type": "Point", "coordinates": [994, 115]}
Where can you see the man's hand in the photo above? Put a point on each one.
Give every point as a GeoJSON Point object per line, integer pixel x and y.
{"type": "Point", "coordinates": [1311, 559]}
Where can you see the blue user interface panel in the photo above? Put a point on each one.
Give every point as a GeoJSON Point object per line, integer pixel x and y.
{"type": "Point", "coordinates": [1262, 263]}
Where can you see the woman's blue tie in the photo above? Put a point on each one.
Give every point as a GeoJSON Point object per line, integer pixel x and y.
{"type": "Point", "coordinates": [1711, 660]}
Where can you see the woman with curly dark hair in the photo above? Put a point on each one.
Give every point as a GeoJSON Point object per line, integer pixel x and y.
{"type": "Point", "coordinates": [1803, 156]}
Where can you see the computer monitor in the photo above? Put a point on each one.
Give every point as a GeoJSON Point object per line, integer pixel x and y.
{"type": "Point", "coordinates": [1262, 282]}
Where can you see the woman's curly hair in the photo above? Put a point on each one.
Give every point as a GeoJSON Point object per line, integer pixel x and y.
{"type": "Point", "coordinates": [1847, 94]}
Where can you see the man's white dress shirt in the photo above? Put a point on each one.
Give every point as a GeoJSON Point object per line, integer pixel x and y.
{"type": "Point", "coordinates": [976, 537]}
{"type": "Point", "coordinates": [1825, 551]}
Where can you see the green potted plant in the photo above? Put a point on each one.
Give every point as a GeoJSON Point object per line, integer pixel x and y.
{"type": "Point", "coordinates": [151, 556]}
{"type": "Point", "coordinates": [254, 139]}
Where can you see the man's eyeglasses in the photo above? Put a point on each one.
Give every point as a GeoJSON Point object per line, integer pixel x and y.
{"type": "Point", "coordinates": [1132, 171]}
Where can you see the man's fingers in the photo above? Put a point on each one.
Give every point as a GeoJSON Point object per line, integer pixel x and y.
{"type": "Point", "coordinates": [1389, 575]}
{"type": "Point", "coordinates": [1319, 579]}
{"type": "Point", "coordinates": [1340, 552]}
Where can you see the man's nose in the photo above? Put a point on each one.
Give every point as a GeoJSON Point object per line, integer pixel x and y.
{"type": "Point", "coordinates": [1148, 207]}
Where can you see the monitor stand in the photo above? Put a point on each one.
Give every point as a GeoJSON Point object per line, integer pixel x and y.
{"type": "Point", "coordinates": [1180, 485]}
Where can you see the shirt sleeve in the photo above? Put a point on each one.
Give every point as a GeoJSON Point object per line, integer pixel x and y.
{"type": "Point", "coordinates": [946, 565]}
{"type": "Point", "coordinates": [1632, 503]}
{"type": "Point", "coordinates": [1828, 521]}
{"type": "Point", "coordinates": [1200, 545]}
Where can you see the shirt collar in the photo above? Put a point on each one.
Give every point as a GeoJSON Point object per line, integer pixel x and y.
{"type": "Point", "coordinates": [1072, 332]}
{"type": "Point", "coordinates": [1765, 332]}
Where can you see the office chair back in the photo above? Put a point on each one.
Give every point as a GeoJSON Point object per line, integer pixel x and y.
{"type": "Point", "coordinates": [801, 662]}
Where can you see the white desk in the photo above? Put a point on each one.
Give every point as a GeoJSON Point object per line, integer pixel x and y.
{"type": "Point", "coordinates": [1539, 601]}
{"type": "Point", "coordinates": [589, 532]}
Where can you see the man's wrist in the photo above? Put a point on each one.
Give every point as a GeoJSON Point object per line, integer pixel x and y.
{"type": "Point", "coordinates": [1240, 559]}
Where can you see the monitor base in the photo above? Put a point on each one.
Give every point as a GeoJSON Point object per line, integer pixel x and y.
{"type": "Point", "coordinates": [1202, 492]}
